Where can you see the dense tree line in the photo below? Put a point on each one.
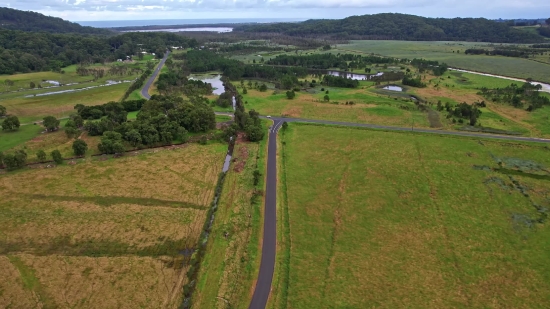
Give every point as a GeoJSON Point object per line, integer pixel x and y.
{"type": "Point", "coordinates": [31, 21]}
{"type": "Point", "coordinates": [338, 81]}
{"type": "Point", "coordinates": [32, 51]}
{"type": "Point", "coordinates": [327, 61]}
{"type": "Point", "coordinates": [391, 26]}
{"type": "Point", "coordinates": [519, 97]}
{"type": "Point", "coordinates": [203, 61]}
{"type": "Point", "coordinates": [497, 52]}
{"type": "Point", "coordinates": [540, 45]}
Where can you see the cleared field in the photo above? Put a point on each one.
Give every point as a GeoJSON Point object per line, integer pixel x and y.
{"type": "Point", "coordinates": [443, 52]}
{"type": "Point", "coordinates": [368, 107]}
{"type": "Point", "coordinates": [398, 220]}
{"type": "Point", "coordinates": [231, 264]}
{"type": "Point", "coordinates": [109, 234]}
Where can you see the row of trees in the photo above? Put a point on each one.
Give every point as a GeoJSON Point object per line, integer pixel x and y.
{"type": "Point", "coordinates": [18, 158]}
{"type": "Point", "coordinates": [497, 52]}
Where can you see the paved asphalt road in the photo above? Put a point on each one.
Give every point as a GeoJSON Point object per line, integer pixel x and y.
{"type": "Point", "coordinates": [145, 89]}
{"type": "Point", "coordinates": [269, 247]}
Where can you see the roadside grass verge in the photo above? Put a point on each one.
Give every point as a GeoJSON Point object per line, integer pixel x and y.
{"type": "Point", "coordinates": [230, 267]}
{"type": "Point", "coordinates": [413, 220]}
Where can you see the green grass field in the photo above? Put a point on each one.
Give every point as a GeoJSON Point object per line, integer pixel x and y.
{"type": "Point", "coordinates": [400, 220]}
{"type": "Point", "coordinates": [443, 52]}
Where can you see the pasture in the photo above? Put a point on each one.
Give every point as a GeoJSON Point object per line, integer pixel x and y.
{"type": "Point", "coordinates": [400, 220]}
{"type": "Point", "coordinates": [110, 234]}
{"type": "Point", "coordinates": [443, 52]}
{"type": "Point", "coordinates": [368, 107]}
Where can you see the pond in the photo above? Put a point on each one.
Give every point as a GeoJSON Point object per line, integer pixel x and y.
{"type": "Point", "coordinates": [214, 80]}
{"type": "Point", "coordinates": [354, 76]}
{"type": "Point", "coordinates": [393, 88]}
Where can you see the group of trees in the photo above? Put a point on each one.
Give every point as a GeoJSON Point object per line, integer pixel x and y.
{"type": "Point", "coordinates": [162, 120]}
{"type": "Point", "coordinates": [114, 110]}
{"type": "Point", "coordinates": [462, 111]}
{"type": "Point", "coordinates": [391, 26]}
{"type": "Point", "coordinates": [176, 82]}
{"type": "Point", "coordinates": [10, 123]}
{"type": "Point", "coordinates": [412, 81]}
{"type": "Point", "coordinates": [518, 96]}
{"type": "Point", "coordinates": [423, 65]}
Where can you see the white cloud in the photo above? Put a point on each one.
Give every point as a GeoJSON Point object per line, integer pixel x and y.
{"type": "Point", "coordinates": [194, 9]}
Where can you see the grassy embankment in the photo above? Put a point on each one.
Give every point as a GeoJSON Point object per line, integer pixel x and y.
{"type": "Point", "coordinates": [101, 234]}
{"type": "Point", "coordinates": [231, 264]}
{"type": "Point", "coordinates": [383, 219]}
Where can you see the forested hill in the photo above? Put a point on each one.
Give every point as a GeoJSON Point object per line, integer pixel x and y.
{"type": "Point", "coordinates": [391, 26]}
{"type": "Point", "coordinates": [31, 21]}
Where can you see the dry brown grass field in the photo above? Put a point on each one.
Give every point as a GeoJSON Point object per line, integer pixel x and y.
{"type": "Point", "coordinates": [105, 234]}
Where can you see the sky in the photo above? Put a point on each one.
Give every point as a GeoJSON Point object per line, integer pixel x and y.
{"type": "Point", "coordinates": [92, 10]}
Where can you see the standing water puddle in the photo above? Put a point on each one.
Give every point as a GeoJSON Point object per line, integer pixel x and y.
{"type": "Point", "coordinates": [393, 88]}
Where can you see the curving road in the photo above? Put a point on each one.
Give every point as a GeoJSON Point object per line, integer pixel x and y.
{"type": "Point", "coordinates": [145, 89]}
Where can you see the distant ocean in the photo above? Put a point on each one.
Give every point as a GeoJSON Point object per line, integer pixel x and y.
{"type": "Point", "coordinates": [170, 22]}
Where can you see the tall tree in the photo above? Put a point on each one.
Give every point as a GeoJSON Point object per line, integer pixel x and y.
{"type": "Point", "coordinates": [56, 156]}
{"type": "Point", "coordinates": [3, 111]}
{"type": "Point", "coordinates": [41, 155]}
{"type": "Point", "coordinates": [51, 123]}
{"type": "Point", "coordinates": [11, 123]}
{"type": "Point", "coordinates": [80, 147]}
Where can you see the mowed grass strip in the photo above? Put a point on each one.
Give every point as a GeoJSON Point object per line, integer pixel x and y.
{"type": "Point", "coordinates": [399, 220]}
{"type": "Point", "coordinates": [113, 234]}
